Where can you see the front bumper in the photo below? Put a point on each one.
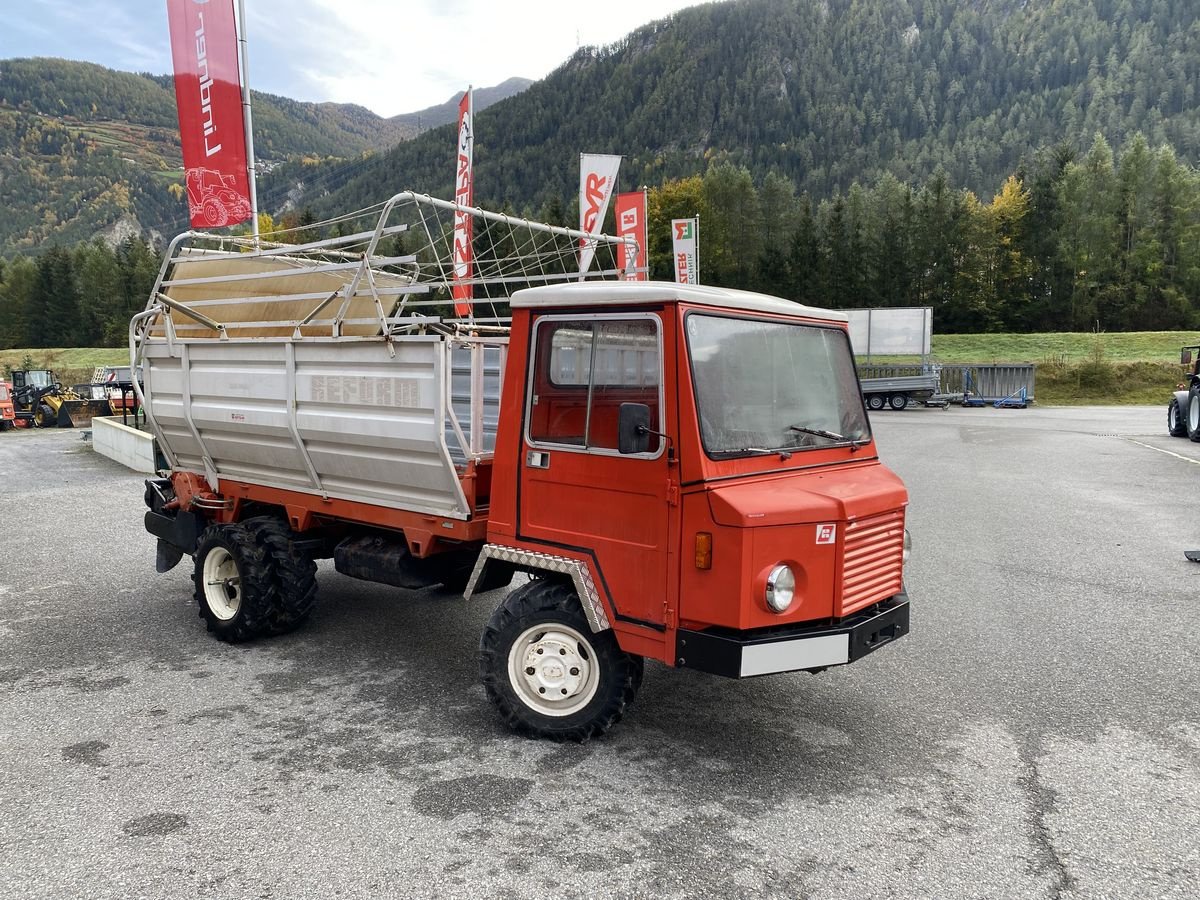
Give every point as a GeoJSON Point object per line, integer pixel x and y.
{"type": "Point", "coordinates": [791, 648]}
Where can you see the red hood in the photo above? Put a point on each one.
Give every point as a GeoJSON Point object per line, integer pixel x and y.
{"type": "Point", "coordinates": [835, 494]}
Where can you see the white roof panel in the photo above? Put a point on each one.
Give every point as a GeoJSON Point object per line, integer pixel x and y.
{"type": "Point", "coordinates": [602, 293]}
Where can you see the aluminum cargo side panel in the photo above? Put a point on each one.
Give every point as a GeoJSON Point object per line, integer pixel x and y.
{"type": "Point", "coordinates": [371, 424]}
{"type": "Point", "coordinates": [237, 399]}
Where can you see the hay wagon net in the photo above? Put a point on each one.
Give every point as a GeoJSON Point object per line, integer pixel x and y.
{"type": "Point", "coordinates": [378, 272]}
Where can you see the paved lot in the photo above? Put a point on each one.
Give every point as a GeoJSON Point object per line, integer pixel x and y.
{"type": "Point", "coordinates": [1037, 735]}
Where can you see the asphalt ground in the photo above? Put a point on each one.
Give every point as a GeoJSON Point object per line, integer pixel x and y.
{"type": "Point", "coordinates": [1036, 735]}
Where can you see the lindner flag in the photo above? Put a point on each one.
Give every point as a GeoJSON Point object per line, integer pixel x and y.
{"type": "Point", "coordinates": [631, 222]}
{"type": "Point", "coordinates": [684, 233]}
{"type": "Point", "coordinates": [464, 193]}
{"type": "Point", "coordinates": [597, 178]}
{"type": "Point", "coordinates": [208, 93]}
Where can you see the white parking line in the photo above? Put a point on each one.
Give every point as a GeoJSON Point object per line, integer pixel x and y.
{"type": "Point", "coordinates": [1195, 462]}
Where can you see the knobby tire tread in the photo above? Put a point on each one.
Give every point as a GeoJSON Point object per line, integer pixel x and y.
{"type": "Point", "coordinates": [294, 582]}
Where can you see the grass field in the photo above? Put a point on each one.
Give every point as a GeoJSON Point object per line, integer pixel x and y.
{"type": "Point", "coordinates": [1072, 368]}
{"type": "Point", "coordinates": [1062, 347]}
{"type": "Point", "coordinates": [73, 365]}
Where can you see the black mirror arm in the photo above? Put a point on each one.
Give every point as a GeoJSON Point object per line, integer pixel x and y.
{"type": "Point", "coordinates": [646, 429]}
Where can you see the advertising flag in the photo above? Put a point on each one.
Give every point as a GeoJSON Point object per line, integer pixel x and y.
{"type": "Point", "coordinates": [631, 222]}
{"type": "Point", "coordinates": [208, 94]}
{"type": "Point", "coordinates": [684, 243]}
{"type": "Point", "coordinates": [597, 178]}
{"type": "Point", "coordinates": [464, 194]}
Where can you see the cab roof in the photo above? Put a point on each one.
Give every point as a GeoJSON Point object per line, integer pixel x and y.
{"type": "Point", "coordinates": [622, 293]}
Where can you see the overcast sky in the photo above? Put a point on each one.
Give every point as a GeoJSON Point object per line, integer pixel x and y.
{"type": "Point", "coordinates": [391, 56]}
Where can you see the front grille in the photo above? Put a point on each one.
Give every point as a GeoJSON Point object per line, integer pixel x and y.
{"type": "Point", "coordinates": [872, 561]}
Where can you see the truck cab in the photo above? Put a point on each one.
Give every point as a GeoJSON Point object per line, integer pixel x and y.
{"type": "Point", "coordinates": [749, 529]}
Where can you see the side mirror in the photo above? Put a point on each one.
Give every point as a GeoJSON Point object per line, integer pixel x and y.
{"type": "Point", "coordinates": [633, 428]}
{"type": "Point", "coordinates": [1185, 357]}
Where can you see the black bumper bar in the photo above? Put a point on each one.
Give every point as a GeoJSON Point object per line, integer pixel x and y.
{"type": "Point", "coordinates": [790, 648]}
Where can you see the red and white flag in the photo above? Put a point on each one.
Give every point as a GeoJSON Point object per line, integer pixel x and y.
{"type": "Point", "coordinates": [462, 290]}
{"type": "Point", "coordinates": [597, 178]}
{"type": "Point", "coordinates": [631, 223]}
{"type": "Point", "coordinates": [208, 93]}
{"type": "Point", "coordinates": [685, 245]}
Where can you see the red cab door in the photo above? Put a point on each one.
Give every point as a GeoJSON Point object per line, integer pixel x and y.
{"type": "Point", "coordinates": [578, 495]}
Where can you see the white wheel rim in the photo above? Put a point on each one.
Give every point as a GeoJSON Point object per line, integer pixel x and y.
{"type": "Point", "coordinates": [553, 669]}
{"type": "Point", "coordinates": [1173, 416]}
{"type": "Point", "coordinates": [1194, 413]}
{"type": "Point", "coordinates": [222, 584]}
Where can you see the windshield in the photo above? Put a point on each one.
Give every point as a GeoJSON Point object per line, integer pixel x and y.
{"type": "Point", "coordinates": [38, 378]}
{"type": "Point", "coordinates": [773, 386]}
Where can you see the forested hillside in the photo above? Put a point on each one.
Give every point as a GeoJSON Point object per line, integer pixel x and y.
{"type": "Point", "coordinates": [824, 92]}
{"type": "Point", "coordinates": [1017, 166]}
{"type": "Point", "coordinates": [87, 150]}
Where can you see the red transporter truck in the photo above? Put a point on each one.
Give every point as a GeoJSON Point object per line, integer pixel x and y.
{"type": "Point", "coordinates": [685, 474]}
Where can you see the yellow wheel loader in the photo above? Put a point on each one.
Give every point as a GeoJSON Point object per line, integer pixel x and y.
{"type": "Point", "coordinates": [40, 400]}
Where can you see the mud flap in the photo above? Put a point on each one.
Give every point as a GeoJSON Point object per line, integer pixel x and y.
{"type": "Point", "coordinates": [166, 557]}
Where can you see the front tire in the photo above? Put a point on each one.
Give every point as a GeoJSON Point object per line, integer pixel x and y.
{"type": "Point", "coordinates": [898, 401]}
{"type": "Point", "coordinates": [233, 580]}
{"type": "Point", "coordinates": [1176, 425]}
{"type": "Point", "coordinates": [45, 417]}
{"type": "Point", "coordinates": [545, 670]}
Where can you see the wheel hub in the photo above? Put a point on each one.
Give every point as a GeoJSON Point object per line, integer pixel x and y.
{"type": "Point", "coordinates": [553, 667]}
{"type": "Point", "coordinates": [553, 670]}
{"type": "Point", "coordinates": [222, 584]}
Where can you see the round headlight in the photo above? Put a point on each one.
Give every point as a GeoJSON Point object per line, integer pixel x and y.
{"type": "Point", "coordinates": [781, 588]}
{"type": "Point", "coordinates": [907, 545]}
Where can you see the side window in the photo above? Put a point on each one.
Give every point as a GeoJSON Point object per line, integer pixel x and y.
{"type": "Point", "coordinates": [584, 370]}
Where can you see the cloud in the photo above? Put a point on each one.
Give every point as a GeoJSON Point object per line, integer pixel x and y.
{"type": "Point", "coordinates": [390, 57]}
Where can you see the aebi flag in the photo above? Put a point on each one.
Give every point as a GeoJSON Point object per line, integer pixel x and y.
{"type": "Point", "coordinates": [464, 194]}
{"type": "Point", "coordinates": [685, 250]}
{"type": "Point", "coordinates": [208, 93]}
{"type": "Point", "coordinates": [631, 222]}
{"type": "Point", "coordinates": [597, 178]}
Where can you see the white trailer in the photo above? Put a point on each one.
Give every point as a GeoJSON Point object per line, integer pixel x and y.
{"type": "Point", "coordinates": [896, 391]}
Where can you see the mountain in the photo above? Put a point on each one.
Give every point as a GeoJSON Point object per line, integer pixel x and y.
{"type": "Point", "coordinates": [87, 150]}
{"type": "Point", "coordinates": [823, 92]}
{"type": "Point", "coordinates": [447, 112]}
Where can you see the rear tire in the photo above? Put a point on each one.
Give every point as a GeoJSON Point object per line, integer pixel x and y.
{"type": "Point", "coordinates": [233, 580]}
{"type": "Point", "coordinates": [898, 401]}
{"type": "Point", "coordinates": [875, 401]}
{"type": "Point", "coordinates": [1193, 416]}
{"type": "Point", "coordinates": [547, 673]}
{"type": "Point", "coordinates": [293, 574]}
{"type": "Point", "coordinates": [1176, 422]}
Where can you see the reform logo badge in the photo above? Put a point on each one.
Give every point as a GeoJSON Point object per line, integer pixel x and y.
{"type": "Point", "coordinates": [826, 534]}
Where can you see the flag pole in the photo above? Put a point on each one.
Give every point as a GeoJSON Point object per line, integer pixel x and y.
{"type": "Point", "coordinates": [248, 119]}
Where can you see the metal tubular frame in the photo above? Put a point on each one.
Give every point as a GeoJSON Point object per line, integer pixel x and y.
{"type": "Point", "coordinates": [333, 255]}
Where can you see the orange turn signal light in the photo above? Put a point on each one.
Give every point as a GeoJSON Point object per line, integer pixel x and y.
{"type": "Point", "coordinates": [703, 550]}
